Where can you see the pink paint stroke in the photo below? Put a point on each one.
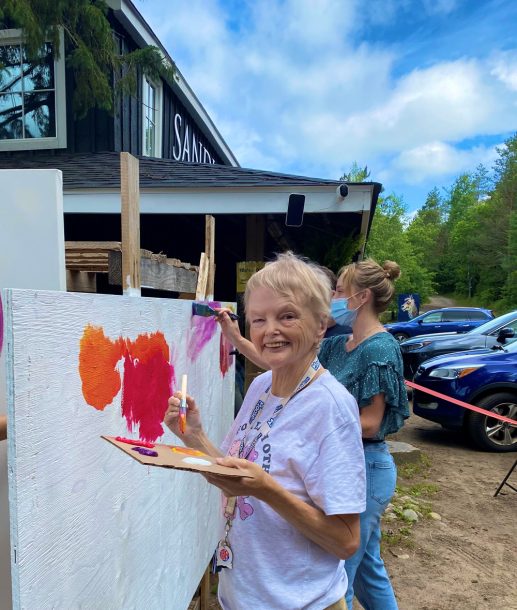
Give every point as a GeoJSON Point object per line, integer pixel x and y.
{"type": "Point", "coordinates": [201, 332]}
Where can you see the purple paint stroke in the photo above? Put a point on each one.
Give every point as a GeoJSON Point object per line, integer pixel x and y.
{"type": "Point", "coordinates": [1, 325]}
{"type": "Point", "coordinates": [144, 451]}
{"type": "Point", "coordinates": [201, 332]}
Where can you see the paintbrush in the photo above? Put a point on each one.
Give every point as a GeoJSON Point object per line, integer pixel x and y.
{"type": "Point", "coordinates": [202, 309]}
{"type": "Point", "coordinates": [183, 405]}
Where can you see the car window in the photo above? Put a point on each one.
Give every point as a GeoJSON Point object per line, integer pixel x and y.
{"type": "Point", "coordinates": [436, 316]}
{"type": "Point", "coordinates": [454, 316]}
{"type": "Point", "coordinates": [488, 327]}
{"type": "Point", "coordinates": [477, 315]}
{"type": "Point", "coordinates": [512, 324]}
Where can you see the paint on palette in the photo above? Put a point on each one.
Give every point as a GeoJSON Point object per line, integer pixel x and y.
{"type": "Point", "coordinates": [145, 451]}
{"type": "Point", "coordinates": [147, 382]}
{"type": "Point", "coordinates": [133, 441]}
{"type": "Point", "coordinates": [187, 451]}
{"type": "Point", "coordinates": [201, 331]}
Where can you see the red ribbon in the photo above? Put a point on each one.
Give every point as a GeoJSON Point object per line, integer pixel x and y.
{"type": "Point", "coordinates": [460, 403]}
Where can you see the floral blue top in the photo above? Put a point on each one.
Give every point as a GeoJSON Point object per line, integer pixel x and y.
{"type": "Point", "coordinates": [373, 367]}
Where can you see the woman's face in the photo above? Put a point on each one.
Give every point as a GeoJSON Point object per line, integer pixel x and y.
{"type": "Point", "coordinates": [282, 329]}
{"type": "Point", "coordinates": [346, 291]}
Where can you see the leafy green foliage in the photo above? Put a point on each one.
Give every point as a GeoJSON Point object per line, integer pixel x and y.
{"type": "Point", "coordinates": [91, 52]}
{"type": "Point", "coordinates": [389, 240]}
{"type": "Point", "coordinates": [462, 241]}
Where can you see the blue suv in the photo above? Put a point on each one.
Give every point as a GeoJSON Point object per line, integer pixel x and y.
{"type": "Point", "coordinates": [486, 378]}
{"type": "Point", "coordinates": [446, 320]}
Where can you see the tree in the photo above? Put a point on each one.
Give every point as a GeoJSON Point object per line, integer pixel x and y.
{"type": "Point", "coordinates": [91, 52]}
{"type": "Point", "coordinates": [426, 232]}
{"type": "Point", "coordinates": [389, 240]}
{"type": "Point", "coordinates": [356, 174]}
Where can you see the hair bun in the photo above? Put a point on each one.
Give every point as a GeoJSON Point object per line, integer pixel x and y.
{"type": "Point", "coordinates": [391, 270]}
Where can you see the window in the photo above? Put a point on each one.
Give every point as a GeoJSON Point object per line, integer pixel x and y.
{"type": "Point", "coordinates": [455, 316]}
{"type": "Point", "coordinates": [432, 317]}
{"type": "Point", "coordinates": [151, 118]}
{"type": "Point", "coordinates": [32, 95]}
{"type": "Point", "coordinates": [478, 315]}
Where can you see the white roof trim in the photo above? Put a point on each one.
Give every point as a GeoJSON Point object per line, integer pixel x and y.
{"type": "Point", "coordinates": [254, 200]}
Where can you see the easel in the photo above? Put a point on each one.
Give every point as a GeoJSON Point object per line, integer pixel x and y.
{"type": "Point", "coordinates": [505, 480]}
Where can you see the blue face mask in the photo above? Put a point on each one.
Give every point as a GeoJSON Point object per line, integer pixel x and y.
{"type": "Point", "coordinates": [341, 313]}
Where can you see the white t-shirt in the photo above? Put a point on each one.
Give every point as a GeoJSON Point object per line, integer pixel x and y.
{"type": "Point", "coordinates": [315, 451]}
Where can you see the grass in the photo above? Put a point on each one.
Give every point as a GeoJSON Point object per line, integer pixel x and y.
{"type": "Point", "coordinates": [414, 492]}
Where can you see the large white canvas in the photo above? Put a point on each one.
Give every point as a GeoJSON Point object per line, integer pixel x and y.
{"type": "Point", "coordinates": [91, 528]}
{"type": "Point", "coordinates": [32, 255]}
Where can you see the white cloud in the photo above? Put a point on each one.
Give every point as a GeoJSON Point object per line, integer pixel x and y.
{"type": "Point", "coordinates": [436, 159]}
{"type": "Point", "coordinates": [291, 90]}
{"type": "Point", "coordinates": [504, 68]}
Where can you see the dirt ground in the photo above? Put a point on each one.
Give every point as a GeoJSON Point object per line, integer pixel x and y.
{"type": "Point", "coordinates": [467, 560]}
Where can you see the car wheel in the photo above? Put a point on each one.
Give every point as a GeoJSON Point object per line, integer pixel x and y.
{"type": "Point", "coordinates": [400, 337]}
{"type": "Point", "coordinates": [493, 434]}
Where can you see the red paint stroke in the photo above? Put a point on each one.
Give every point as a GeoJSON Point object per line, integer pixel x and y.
{"type": "Point", "coordinates": [1, 325]}
{"type": "Point", "coordinates": [147, 384]}
{"type": "Point", "coordinates": [201, 332]}
{"type": "Point", "coordinates": [134, 441]}
{"type": "Point", "coordinates": [98, 358]}
{"type": "Point", "coordinates": [225, 358]}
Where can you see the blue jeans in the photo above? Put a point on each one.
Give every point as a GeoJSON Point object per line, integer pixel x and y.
{"type": "Point", "coordinates": [367, 576]}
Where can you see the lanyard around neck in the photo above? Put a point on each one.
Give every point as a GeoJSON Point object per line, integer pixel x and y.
{"type": "Point", "coordinates": [245, 449]}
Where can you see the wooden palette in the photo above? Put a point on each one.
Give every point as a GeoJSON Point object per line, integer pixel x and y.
{"type": "Point", "coordinates": [171, 456]}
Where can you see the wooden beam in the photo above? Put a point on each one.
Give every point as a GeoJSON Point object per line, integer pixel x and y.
{"type": "Point", "coordinates": [202, 279]}
{"type": "Point", "coordinates": [210, 252]}
{"type": "Point", "coordinates": [204, 590]}
{"type": "Point", "coordinates": [157, 272]}
{"type": "Point", "coordinates": [81, 281]}
{"type": "Point", "coordinates": [89, 256]}
{"type": "Point", "coordinates": [130, 212]}
{"type": "Point", "coordinates": [85, 246]}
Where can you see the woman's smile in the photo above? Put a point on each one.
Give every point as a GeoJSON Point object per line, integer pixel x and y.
{"type": "Point", "coordinates": [276, 344]}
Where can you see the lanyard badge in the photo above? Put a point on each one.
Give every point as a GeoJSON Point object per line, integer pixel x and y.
{"type": "Point", "coordinates": [223, 556]}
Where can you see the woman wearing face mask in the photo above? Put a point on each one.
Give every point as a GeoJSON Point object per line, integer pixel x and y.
{"type": "Point", "coordinates": [368, 363]}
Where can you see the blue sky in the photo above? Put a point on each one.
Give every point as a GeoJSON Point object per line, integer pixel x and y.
{"type": "Point", "coordinates": [418, 90]}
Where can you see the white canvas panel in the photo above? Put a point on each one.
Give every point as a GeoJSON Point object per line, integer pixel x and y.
{"type": "Point", "coordinates": [32, 255]}
{"type": "Point", "coordinates": [92, 528]}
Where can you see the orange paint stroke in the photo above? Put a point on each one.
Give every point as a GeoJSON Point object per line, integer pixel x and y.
{"type": "Point", "coordinates": [98, 358]}
{"type": "Point", "coordinates": [186, 450]}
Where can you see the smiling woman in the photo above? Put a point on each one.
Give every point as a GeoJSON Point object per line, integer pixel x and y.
{"type": "Point", "coordinates": [297, 442]}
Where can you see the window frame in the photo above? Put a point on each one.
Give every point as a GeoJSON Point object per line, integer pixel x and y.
{"type": "Point", "coordinates": [11, 37]}
{"type": "Point", "coordinates": [158, 123]}
{"type": "Point", "coordinates": [434, 313]}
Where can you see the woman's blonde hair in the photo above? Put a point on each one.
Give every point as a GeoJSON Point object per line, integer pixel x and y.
{"type": "Point", "coordinates": [295, 277]}
{"type": "Point", "coordinates": [369, 274]}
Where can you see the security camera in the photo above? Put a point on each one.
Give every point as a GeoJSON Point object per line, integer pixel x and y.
{"type": "Point", "coordinates": [342, 191]}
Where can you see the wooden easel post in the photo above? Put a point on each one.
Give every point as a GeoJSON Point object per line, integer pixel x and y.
{"type": "Point", "coordinates": [202, 278]}
{"type": "Point", "coordinates": [210, 251]}
{"type": "Point", "coordinates": [130, 219]}
{"type": "Point", "coordinates": [205, 280]}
